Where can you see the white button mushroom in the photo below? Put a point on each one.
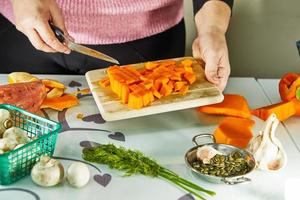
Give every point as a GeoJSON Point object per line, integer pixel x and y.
{"type": "Point", "coordinates": [78, 174]}
{"type": "Point", "coordinates": [5, 121]}
{"type": "Point", "coordinates": [7, 144]}
{"type": "Point", "coordinates": [47, 172]}
{"type": "Point", "coordinates": [16, 134]}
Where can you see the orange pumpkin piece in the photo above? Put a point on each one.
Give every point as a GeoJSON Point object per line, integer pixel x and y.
{"type": "Point", "coordinates": [183, 90]}
{"type": "Point", "coordinates": [171, 84]}
{"type": "Point", "coordinates": [135, 100]}
{"type": "Point", "coordinates": [282, 110]}
{"type": "Point", "coordinates": [187, 63]}
{"type": "Point", "coordinates": [296, 103]}
{"type": "Point", "coordinates": [55, 92]}
{"type": "Point", "coordinates": [178, 85]}
{"type": "Point", "coordinates": [156, 93]}
{"type": "Point", "coordinates": [233, 105]}
{"type": "Point", "coordinates": [60, 103]}
{"type": "Point", "coordinates": [234, 131]}
{"type": "Point", "coordinates": [190, 77]}
{"type": "Point", "coordinates": [53, 84]}
{"type": "Point", "coordinates": [151, 65]}
{"type": "Point", "coordinates": [104, 82]}
{"type": "Point", "coordinates": [288, 86]}
{"type": "Point", "coordinates": [167, 63]}
{"type": "Point", "coordinates": [165, 90]}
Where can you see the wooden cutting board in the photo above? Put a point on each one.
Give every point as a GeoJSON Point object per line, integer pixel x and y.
{"type": "Point", "coordinates": [201, 93]}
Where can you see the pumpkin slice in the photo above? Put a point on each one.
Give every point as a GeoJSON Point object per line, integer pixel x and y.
{"type": "Point", "coordinates": [233, 105]}
{"type": "Point", "coordinates": [55, 92]}
{"type": "Point", "coordinates": [60, 103]}
{"type": "Point", "coordinates": [234, 131]}
{"type": "Point", "coordinates": [104, 82]}
{"type": "Point", "coordinates": [282, 110]}
{"type": "Point", "coordinates": [53, 84]}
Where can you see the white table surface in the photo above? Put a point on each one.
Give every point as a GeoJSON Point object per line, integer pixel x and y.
{"type": "Point", "coordinates": [292, 125]}
{"type": "Point", "coordinates": [165, 137]}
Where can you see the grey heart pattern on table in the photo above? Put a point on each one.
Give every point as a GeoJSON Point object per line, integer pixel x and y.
{"type": "Point", "coordinates": [96, 118]}
{"type": "Point", "coordinates": [117, 136]}
{"type": "Point", "coordinates": [103, 180]}
{"type": "Point", "coordinates": [75, 84]}
{"type": "Point", "coordinates": [187, 197]}
{"type": "Point", "coordinates": [88, 144]}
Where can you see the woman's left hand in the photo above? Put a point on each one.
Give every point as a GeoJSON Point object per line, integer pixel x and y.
{"type": "Point", "coordinates": [211, 47]}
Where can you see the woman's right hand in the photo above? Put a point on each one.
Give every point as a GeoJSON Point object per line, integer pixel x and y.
{"type": "Point", "coordinates": [32, 18]}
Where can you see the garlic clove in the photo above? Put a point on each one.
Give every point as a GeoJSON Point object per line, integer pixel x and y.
{"type": "Point", "coordinates": [78, 174]}
{"type": "Point", "coordinates": [205, 153]}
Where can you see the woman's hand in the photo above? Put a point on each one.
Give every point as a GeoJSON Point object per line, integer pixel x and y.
{"type": "Point", "coordinates": [32, 18]}
{"type": "Point", "coordinates": [211, 47]}
{"type": "Point", "coordinates": [212, 22]}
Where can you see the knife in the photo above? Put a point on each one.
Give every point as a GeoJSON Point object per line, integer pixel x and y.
{"type": "Point", "coordinates": [80, 48]}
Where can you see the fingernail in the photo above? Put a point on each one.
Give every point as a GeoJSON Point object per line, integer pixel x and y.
{"type": "Point", "coordinates": [67, 52]}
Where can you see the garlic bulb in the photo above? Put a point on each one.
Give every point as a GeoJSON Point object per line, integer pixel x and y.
{"type": "Point", "coordinates": [5, 121]}
{"type": "Point", "coordinates": [47, 172]}
{"type": "Point", "coordinates": [78, 174]}
{"type": "Point", "coordinates": [267, 149]}
{"type": "Point", "coordinates": [16, 134]}
{"type": "Point", "coordinates": [205, 153]}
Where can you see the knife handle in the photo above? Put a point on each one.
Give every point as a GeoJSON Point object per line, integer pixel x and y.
{"type": "Point", "coordinates": [59, 34]}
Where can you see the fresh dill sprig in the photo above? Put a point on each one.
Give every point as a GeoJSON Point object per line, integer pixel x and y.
{"type": "Point", "coordinates": [135, 162]}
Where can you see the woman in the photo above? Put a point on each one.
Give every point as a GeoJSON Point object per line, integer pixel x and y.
{"type": "Point", "coordinates": [130, 31]}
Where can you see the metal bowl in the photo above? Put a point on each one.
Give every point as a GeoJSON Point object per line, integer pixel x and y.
{"type": "Point", "coordinates": [190, 157]}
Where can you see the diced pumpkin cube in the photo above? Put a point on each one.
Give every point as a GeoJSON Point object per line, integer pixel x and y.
{"type": "Point", "coordinates": [156, 93]}
{"type": "Point", "coordinates": [135, 100]}
{"type": "Point", "coordinates": [187, 63]}
{"type": "Point", "coordinates": [104, 82]}
{"type": "Point", "coordinates": [165, 90]}
{"type": "Point", "coordinates": [151, 65]}
{"type": "Point", "coordinates": [183, 90]}
{"type": "Point", "coordinates": [178, 85]}
{"type": "Point", "coordinates": [125, 94]}
{"type": "Point", "coordinates": [190, 77]}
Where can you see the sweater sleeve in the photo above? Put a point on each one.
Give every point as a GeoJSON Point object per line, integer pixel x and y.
{"type": "Point", "coordinates": [199, 3]}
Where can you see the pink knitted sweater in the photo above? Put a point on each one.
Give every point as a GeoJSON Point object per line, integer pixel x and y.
{"type": "Point", "coordinates": [113, 21]}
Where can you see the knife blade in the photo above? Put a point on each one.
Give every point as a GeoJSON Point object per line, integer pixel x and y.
{"type": "Point", "coordinates": [80, 48]}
